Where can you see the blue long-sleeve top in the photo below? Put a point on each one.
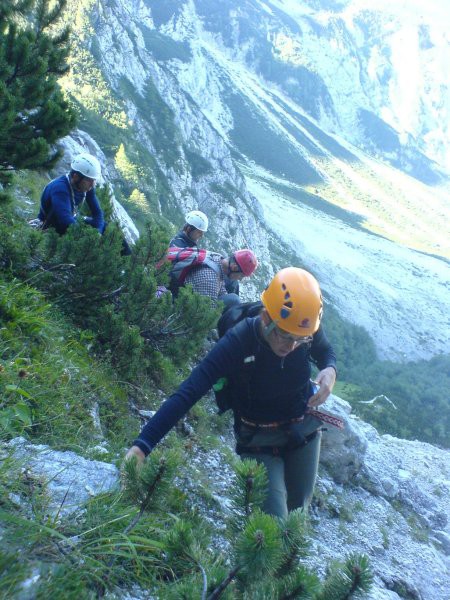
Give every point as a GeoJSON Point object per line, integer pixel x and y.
{"type": "Point", "coordinates": [59, 204]}
{"type": "Point", "coordinates": [267, 387]}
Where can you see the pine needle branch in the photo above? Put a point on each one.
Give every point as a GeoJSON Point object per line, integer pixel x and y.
{"type": "Point", "coordinates": [225, 583]}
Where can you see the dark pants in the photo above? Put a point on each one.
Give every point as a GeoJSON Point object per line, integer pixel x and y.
{"type": "Point", "coordinates": [229, 300]}
{"type": "Point", "coordinates": [292, 474]}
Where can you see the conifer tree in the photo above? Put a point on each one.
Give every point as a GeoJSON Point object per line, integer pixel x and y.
{"type": "Point", "coordinates": [265, 557]}
{"type": "Point", "coordinates": [33, 111]}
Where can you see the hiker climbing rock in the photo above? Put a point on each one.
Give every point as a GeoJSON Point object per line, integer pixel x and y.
{"type": "Point", "coordinates": [265, 360]}
{"type": "Point", "coordinates": [62, 197]}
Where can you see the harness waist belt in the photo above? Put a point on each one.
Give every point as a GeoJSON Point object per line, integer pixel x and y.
{"type": "Point", "coordinates": [325, 417]}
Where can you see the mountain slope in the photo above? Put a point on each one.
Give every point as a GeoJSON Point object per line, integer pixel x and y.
{"type": "Point", "coordinates": [287, 101]}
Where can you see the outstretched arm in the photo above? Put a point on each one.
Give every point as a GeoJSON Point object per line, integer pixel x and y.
{"type": "Point", "coordinates": [219, 362]}
{"type": "Point", "coordinates": [96, 220]}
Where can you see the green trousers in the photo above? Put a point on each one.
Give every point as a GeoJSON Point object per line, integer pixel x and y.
{"type": "Point", "coordinates": [292, 474]}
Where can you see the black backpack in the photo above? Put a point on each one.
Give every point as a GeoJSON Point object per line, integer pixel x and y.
{"type": "Point", "coordinates": [223, 391]}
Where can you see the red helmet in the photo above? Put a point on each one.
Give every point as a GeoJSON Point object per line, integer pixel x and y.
{"type": "Point", "coordinates": [246, 260]}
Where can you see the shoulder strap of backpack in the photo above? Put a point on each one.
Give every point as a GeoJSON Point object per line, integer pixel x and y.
{"type": "Point", "coordinates": [237, 313]}
{"type": "Point", "coordinates": [184, 259]}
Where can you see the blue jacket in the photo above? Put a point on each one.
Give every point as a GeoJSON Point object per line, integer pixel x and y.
{"type": "Point", "coordinates": [59, 204]}
{"type": "Point", "coordinates": [269, 388]}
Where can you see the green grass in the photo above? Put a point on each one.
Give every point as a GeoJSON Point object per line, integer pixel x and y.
{"type": "Point", "coordinates": [257, 141]}
{"type": "Point", "coordinates": [50, 383]}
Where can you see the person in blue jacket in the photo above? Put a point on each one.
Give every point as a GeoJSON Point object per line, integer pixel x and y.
{"type": "Point", "coordinates": [266, 360]}
{"type": "Point", "coordinates": [63, 197]}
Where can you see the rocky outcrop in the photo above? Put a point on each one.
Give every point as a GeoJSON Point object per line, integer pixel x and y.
{"type": "Point", "coordinates": [343, 452]}
{"type": "Point", "coordinates": [388, 498]}
{"type": "Point", "coordinates": [69, 480]}
{"type": "Point", "coordinates": [377, 495]}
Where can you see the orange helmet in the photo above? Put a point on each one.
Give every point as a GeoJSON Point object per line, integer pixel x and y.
{"type": "Point", "coordinates": [294, 301]}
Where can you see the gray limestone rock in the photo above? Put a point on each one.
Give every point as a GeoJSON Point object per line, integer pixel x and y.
{"type": "Point", "coordinates": [343, 450]}
{"type": "Point", "coordinates": [70, 479]}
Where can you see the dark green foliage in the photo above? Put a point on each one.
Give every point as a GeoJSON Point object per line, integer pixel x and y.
{"type": "Point", "coordinates": [259, 548]}
{"type": "Point", "coordinates": [349, 580]}
{"type": "Point", "coordinates": [267, 553]}
{"type": "Point", "coordinates": [65, 581]}
{"type": "Point", "coordinates": [419, 392]}
{"type": "Point", "coordinates": [38, 354]}
{"type": "Point", "coordinates": [146, 485]}
{"type": "Point", "coordinates": [415, 388]}
{"type": "Point", "coordinates": [115, 297]}
{"type": "Point", "coordinates": [17, 242]}
{"type": "Point", "coordinates": [163, 47]}
{"type": "Point", "coordinates": [186, 548]}
{"type": "Point", "coordinates": [83, 270]}
{"type": "Point", "coordinates": [190, 319]}
{"type": "Point", "coordinates": [33, 112]}
{"type": "Point", "coordinates": [159, 117]}
{"type": "Point", "coordinates": [12, 573]}
{"type": "Point", "coordinates": [199, 165]}
{"type": "Point", "coordinates": [294, 541]}
{"type": "Point", "coordinates": [248, 490]}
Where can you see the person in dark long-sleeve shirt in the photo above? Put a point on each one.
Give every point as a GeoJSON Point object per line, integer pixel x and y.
{"type": "Point", "coordinates": [62, 197]}
{"type": "Point", "coordinates": [195, 226]}
{"type": "Point", "coordinates": [266, 360]}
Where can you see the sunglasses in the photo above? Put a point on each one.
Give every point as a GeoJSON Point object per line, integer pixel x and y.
{"type": "Point", "coordinates": [236, 264]}
{"type": "Point", "coordinates": [292, 339]}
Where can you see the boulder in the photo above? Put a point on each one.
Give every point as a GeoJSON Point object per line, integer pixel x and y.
{"type": "Point", "coordinates": [343, 450]}
{"type": "Point", "coordinates": [69, 479]}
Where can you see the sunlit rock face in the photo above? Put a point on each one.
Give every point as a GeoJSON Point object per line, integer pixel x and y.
{"type": "Point", "coordinates": [302, 131]}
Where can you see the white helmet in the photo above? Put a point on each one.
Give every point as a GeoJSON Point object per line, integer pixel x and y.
{"type": "Point", "coordinates": [87, 165]}
{"type": "Point", "coordinates": [197, 219]}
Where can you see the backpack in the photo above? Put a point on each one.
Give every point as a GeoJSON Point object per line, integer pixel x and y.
{"type": "Point", "coordinates": [233, 315]}
{"type": "Point", "coordinates": [223, 391]}
{"type": "Point", "coordinates": [185, 259]}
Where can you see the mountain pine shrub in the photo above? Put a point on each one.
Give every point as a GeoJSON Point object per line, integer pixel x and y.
{"type": "Point", "coordinates": [33, 111]}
